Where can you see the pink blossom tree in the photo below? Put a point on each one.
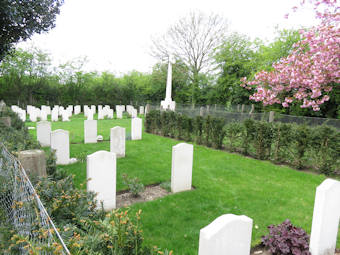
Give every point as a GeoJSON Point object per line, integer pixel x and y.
{"type": "Point", "coordinates": [311, 71]}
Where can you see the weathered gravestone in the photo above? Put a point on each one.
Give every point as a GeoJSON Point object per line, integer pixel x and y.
{"type": "Point", "coordinates": [117, 141]}
{"type": "Point", "coordinates": [34, 162]}
{"type": "Point", "coordinates": [326, 217]}
{"type": "Point", "coordinates": [133, 113]}
{"type": "Point", "coordinates": [229, 234]}
{"type": "Point", "coordinates": [136, 129]}
{"type": "Point", "coordinates": [60, 142]}
{"type": "Point", "coordinates": [181, 167]}
{"type": "Point", "coordinates": [6, 121]}
{"type": "Point", "coordinates": [101, 175]}
{"type": "Point", "coordinates": [44, 133]}
{"type": "Point", "coordinates": [90, 131]}
{"type": "Point", "coordinates": [90, 115]}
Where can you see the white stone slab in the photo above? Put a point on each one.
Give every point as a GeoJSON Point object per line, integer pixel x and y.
{"type": "Point", "coordinates": [229, 234]}
{"type": "Point", "coordinates": [326, 217]}
{"type": "Point", "coordinates": [90, 131]}
{"type": "Point", "coordinates": [119, 113]}
{"type": "Point", "coordinates": [60, 142]}
{"type": "Point", "coordinates": [101, 175]}
{"type": "Point", "coordinates": [117, 141]}
{"type": "Point", "coordinates": [141, 109]}
{"type": "Point", "coordinates": [54, 115]}
{"type": "Point", "coordinates": [77, 109]}
{"type": "Point", "coordinates": [136, 129]}
{"type": "Point", "coordinates": [43, 115]}
{"type": "Point", "coordinates": [133, 113]}
{"type": "Point", "coordinates": [44, 133]}
{"type": "Point", "coordinates": [181, 167]}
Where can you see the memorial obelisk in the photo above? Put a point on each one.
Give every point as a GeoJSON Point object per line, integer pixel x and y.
{"type": "Point", "coordinates": [167, 103]}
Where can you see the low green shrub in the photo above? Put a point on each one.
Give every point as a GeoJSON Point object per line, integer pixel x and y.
{"type": "Point", "coordinates": [134, 185]}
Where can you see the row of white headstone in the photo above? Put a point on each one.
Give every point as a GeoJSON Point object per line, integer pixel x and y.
{"type": "Point", "coordinates": [59, 111]}
{"type": "Point", "coordinates": [231, 234]}
{"type": "Point", "coordinates": [102, 167]}
{"type": "Point", "coordinates": [59, 139]}
{"type": "Point", "coordinates": [90, 130]}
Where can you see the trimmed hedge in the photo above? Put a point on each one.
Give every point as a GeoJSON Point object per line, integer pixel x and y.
{"type": "Point", "coordinates": [298, 145]}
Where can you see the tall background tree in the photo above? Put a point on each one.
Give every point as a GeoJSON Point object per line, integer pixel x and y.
{"type": "Point", "coordinates": [193, 40]}
{"type": "Point", "coordinates": [20, 19]}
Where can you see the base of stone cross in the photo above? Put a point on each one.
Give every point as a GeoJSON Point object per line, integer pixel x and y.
{"type": "Point", "coordinates": [168, 105]}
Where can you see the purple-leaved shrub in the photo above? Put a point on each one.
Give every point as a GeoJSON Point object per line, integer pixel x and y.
{"type": "Point", "coordinates": [286, 239]}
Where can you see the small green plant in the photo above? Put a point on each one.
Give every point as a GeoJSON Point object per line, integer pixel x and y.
{"type": "Point", "coordinates": [166, 185]}
{"type": "Point", "coordinates": [134, 185]}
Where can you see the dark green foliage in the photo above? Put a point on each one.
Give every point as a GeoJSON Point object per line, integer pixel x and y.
{"type": "Point", "coordinates": [249, 135]}
{"type": "Point", "coordinates": [286, 239]}
{"type": "Point", "coordinates": [19, 20]}
{"type": "Point", "coordinates": [64, 203]}
{"type": "Point", "coordinates": [299, 145]}
{"type": "Point", "coordinates": [198, 129]}
{"type": "Point", "coordinates": [302, 134]}
{"type": "Point", "coordinates": [282, 139]}
{"type": "Point", "coordinates": [217, 132]}
{"type": "Point", "coordinates": [134, 185]}
{"type": "Point", "coordinates": [325, 142]}
{"type": "Point", "coordinates": [234, 132]}
{"type": "Point", "coordinates": [207, 130]}
{"type": "Point", "coordinates": [263, 139]}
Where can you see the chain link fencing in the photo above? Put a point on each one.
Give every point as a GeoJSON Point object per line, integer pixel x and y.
{"type": "Point", "coordinates": [22, 208]}
{"type": "Point", "coordinates": [239, 113]}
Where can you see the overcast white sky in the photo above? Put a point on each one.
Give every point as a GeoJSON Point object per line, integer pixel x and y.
{"type": "Point", "coordinates": [115, 35]}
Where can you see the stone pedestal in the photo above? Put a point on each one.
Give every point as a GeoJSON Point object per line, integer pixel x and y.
{"type": "Point", "coordinates": [34, 162]}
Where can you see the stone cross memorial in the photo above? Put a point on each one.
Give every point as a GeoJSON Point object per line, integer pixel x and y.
{"type": "Point", "coordinates": [60, 142]}
{"type": "Point", "coordinates": [101, 173]}
{"type": "Point", "coordinates": [181, 167]}
{"type": "Point", "coordinates": [136, 129]}
{"type": "Point", "coordinates": [90, 131]}
{"type": "Point", "coordinates": [228, 234]}
{"type": "Point", "coordinates": [117, 141]}
{"type": "Point", "coordinates": [326, 217]}
{"type": "Point", "coordinates": [44, 133]}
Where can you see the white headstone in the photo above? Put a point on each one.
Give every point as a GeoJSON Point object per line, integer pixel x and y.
{"type": "Point", "coordinates": [133, 113]}
{"type": "Point", "coordinates": [65, 115]}
{"type": "Point", "coordinates": [90, 131]}
{"type": "Point", "coordinates": [54, 115]}
{"type": "Point", "coordinates": [110, 114]}
{"type": "Point", "coordinates": [43, 115]}
{"type": "Point", "coordinates": [181, 167]}
{"type": "Point", "coordinates": [77, 109]}
{"type": "Point", "coordinates": [136, 129]}
{"type": "Point", "coordinates": [100, 113]}
{"type": "Point", "coordinates": [141, 109]}
{"type": "Point", "coordinates": [60, 142]}
{"type": "Point", "coordinates": [44, 133]}
{"type": "Point", "coordinates": [101, 172]}
{"type": "Point", "coordinates": [93, 109]}
{"type": "Point", "coordinates": [33, 116]}
{"type": "Point", "coordinates": [229, 234]}
{"type": "Point", "coordinates": [326, 217]}
{"type": "Point", "coordinates": [117, 141]}
{"type": "Point", "coordinates": [119, 111]}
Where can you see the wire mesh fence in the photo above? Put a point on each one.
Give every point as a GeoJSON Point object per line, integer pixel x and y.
{"type": "Point", "coordinates": [22, 208]}
{"type": "Point", "coordinates": [239, 113]}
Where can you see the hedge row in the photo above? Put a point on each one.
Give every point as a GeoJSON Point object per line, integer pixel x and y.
{"type": "Point", "coordinates": [299, 145]}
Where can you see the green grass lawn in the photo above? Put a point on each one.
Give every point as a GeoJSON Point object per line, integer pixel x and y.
{"type": "Point", "coordinates": [224, 182]}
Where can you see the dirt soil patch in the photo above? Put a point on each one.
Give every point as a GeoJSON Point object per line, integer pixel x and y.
{"type": "Point", "coordinates": [124, 198]}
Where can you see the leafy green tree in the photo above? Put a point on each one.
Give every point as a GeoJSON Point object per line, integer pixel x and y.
{"type": "Point", "coordinates": [236, 58]}
{"type": "Point", "coordinates": [20, 19]}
